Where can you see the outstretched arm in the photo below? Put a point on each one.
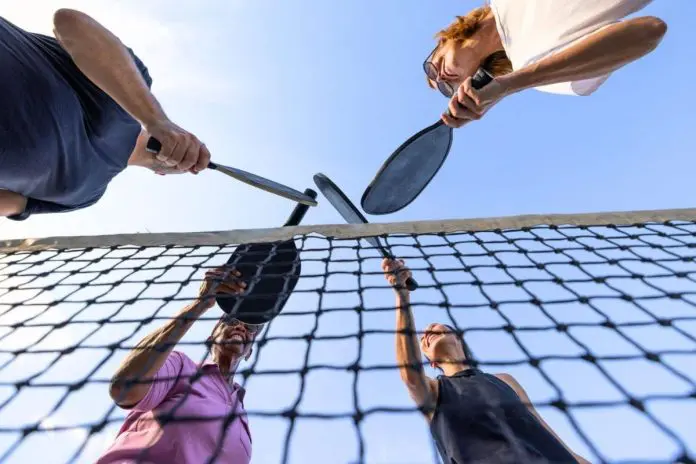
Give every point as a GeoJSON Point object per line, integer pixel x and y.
{"type": "Point", "coordinates": [510, 380]}
{"type": "Point", "coordinates": [422, 389]}
{"type": "Point", "coordinates": [102, 57]}
{"type": "Point", "coordinates": [599, 54]}
{"type": "Point", "coordinates": [148, 356]}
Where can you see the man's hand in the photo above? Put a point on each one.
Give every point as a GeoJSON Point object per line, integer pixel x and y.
{"type": "Point", "coordinates": [220, 281]}
{"type": "Point", "coordinates": [396, 273]}
{"type": "Point", "coordinates": [181, 150]}
{"type": "Point", "coordinates": [469, 104]}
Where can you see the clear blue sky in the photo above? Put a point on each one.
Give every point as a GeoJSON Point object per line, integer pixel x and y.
{"type": "Point", "coordinates": [287, 89]}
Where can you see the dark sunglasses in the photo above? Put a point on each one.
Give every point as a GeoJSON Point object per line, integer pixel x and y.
{"type": "Point", "coordinates": [430, 70]}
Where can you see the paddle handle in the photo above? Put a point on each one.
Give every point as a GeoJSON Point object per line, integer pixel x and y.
{"type": "Point", "coordinates": [478, 81]}
{"type": "Point", "coordinates": [481, 79]}
{"type": "Point", "coordinates": [300, 210]}
{"type": "Point", "coordinates": [154, 146]}
{"type": "Point", "coordinates": [411, 283]}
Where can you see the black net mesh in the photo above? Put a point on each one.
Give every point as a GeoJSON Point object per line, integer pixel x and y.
{"type": "Point", "coordinates": [598, 324]}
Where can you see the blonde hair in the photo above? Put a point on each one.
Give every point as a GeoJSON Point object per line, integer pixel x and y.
{"type": "Point", "coordinates": [463, 29]}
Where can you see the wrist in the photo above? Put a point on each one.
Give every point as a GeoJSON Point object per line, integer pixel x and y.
{"type": "Point", "coordinates": [515, 82]}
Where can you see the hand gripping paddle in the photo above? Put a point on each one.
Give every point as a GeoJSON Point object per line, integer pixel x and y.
{"type": "Point", "coordinates": [271, 272]}
{"type": "Point", "coordinates": [154, 146]}
{"type": "Point", "coordinates": [352, 215]}
{"type": "Point", "coordinates": [406, 173]}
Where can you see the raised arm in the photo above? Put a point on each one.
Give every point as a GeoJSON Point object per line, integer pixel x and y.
{"type": "Point", "coordinates": [510, 380]}
{"type": "Point", "coordinates": [421, 388]}
{"type": "Point", "coordinates": [148, 356]}
{"type": "Point", "coordinates": [599, 54]}
{"type": "Point", "coordinates": [102, 57]}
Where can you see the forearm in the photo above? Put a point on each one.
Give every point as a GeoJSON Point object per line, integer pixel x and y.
{"type": "Point", "coordinates": [148, 356]}
{"type": "Point", "coordinates": [408, 354]}
{"type": "Point", "coordinates": [11, 203]}
{"type": "Point", "coordinates": [102, 57]}
{"type": "Point", "coordinates": [597, 55]}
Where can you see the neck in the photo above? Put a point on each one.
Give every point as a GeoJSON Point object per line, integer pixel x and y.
{"type": "Point", "coordinates": [452, 367]}
{"type": "Point", "coordinates": [228, 367]}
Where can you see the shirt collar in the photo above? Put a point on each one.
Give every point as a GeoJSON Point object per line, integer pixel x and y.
{"type": "Point", "coordinates": [241, 391]}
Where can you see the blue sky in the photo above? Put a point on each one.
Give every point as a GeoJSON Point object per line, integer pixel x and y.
{"type": "Point", "coordinates": [287, 89]}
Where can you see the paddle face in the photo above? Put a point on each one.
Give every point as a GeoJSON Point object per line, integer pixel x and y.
{"type": "Point", "coordinates": [406, 173]}
{"type": "Point", "coordinates": [154, 146]}
{"type": "Point", "coordinates": [271, 272]}
{"type": "Point", "coordinates": [408, 170]}
{"type": "Point", "coordinates": [351, 214]}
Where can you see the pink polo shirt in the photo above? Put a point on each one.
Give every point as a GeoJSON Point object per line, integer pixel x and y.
{"type": "Point", "coordinates": [209, 399]}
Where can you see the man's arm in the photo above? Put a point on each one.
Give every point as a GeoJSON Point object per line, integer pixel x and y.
{"type": "Point", "coordinates": [11, 203]}
{"type": "Point", "coordinates": [148, 356]}
{"type": "Point", "coordinates": [422, 389]}
{"type": "Point", "coordinates": [510, 380]}
{"type": "Point", "coordinates": [599, 54]}
{"type": "Point", "coordinates": [102, 57]}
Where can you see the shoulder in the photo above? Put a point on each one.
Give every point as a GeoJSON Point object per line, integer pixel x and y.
{"type": "Point", "coordinates": [511, 382]}
{"type": "Point", "coordinates": [515, 385]}
{"type": "Point", "coordinates": [181, 362]}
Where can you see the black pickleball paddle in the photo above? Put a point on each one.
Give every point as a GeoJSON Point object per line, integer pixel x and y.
{"type": "Point", "coordinates": [352, 215]}
{"type": "Point", "coordinates": [409, 170]}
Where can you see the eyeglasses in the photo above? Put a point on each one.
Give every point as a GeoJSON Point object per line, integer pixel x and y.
{"type": "Point", "coordinates": [251, 328]}
{"type": "Point", "coordinates": [430, 70]}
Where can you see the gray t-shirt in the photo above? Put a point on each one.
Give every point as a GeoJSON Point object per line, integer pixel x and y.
{"type": "Point", "coordinates": [62, 139]}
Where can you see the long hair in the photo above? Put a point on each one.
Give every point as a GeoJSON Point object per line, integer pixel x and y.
{"type": "Point", "coordinates": [463, 28]}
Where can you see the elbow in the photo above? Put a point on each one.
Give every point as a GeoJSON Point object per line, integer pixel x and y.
{"type": "Point", "coordinates": [120, 394]}
{"type": "Point", "coordinates": [67, 21]}
{"type": "Point", "coordinates": [653, 30]}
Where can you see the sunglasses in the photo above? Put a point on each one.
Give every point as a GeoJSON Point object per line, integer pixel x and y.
{"type": "Point", "coordinates": [431, 71]}
{"type": "Point", "coordinates": [251, 328]}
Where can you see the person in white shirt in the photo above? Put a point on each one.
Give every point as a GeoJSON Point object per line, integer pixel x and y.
{"type": "Point", "coordinates": [566, 47]}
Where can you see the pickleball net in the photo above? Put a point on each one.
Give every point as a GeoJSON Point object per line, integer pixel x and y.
{"type": "Point", "coordinates": [595, 315]}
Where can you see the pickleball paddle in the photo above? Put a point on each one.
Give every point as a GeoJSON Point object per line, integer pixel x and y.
{"type": "Point", "coordinates": [409, 170]}
{"type": "Point", "coordinates": [154, 146]}
{"type": "Point", "coordinates": [271, 272]}
{"type": "Point", "coordinates": [352, 215]}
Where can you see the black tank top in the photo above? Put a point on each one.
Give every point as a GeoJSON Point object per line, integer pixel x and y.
{"type": "Point", "coordinates": [480, 419]}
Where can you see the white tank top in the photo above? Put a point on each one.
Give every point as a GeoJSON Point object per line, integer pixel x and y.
{"type": "Point", "coordinates": [534, 29]}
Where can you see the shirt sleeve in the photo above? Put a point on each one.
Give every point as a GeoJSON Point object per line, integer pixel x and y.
{"type": "Point", "coordinates": [35, 206]}
{"type": "Point", "coordinates": [163, 382]}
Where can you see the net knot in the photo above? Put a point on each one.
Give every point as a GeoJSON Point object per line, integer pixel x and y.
{"type": "Point", "coordinates": [589, 358]}
{"type": "Point", "coordinates": [637, 404]}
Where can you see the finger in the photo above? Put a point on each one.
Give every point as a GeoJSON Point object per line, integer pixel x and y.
{"type": "Point", "coordinates": [473, 95]}
{"type": "Point", "coordinates": [191, 155]}
{"type": "Point", "coordinates": [451, 121]}
{"type": "Point", "coordinates": [462, 110]}
{"type": "Point", "coordinates": [231, 287]}
{"type": "Point", "coordinates": [203, 159]}
{"type": "Point", "coordinates": [180, 150]}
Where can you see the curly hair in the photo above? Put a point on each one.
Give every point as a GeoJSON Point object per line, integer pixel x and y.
{"type": "Point", "coordinates": [463, 28]}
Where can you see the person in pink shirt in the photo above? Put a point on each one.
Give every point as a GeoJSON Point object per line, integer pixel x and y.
{"type": "Point", "coordinates": [181, 411]}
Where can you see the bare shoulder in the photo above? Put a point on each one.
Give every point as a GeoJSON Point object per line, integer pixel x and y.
{"type": "Point", "coordinates": [512, 383]}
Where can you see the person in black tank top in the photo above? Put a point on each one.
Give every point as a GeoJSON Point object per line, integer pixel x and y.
{"type": "Point", "coordinates": [474, 417]}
